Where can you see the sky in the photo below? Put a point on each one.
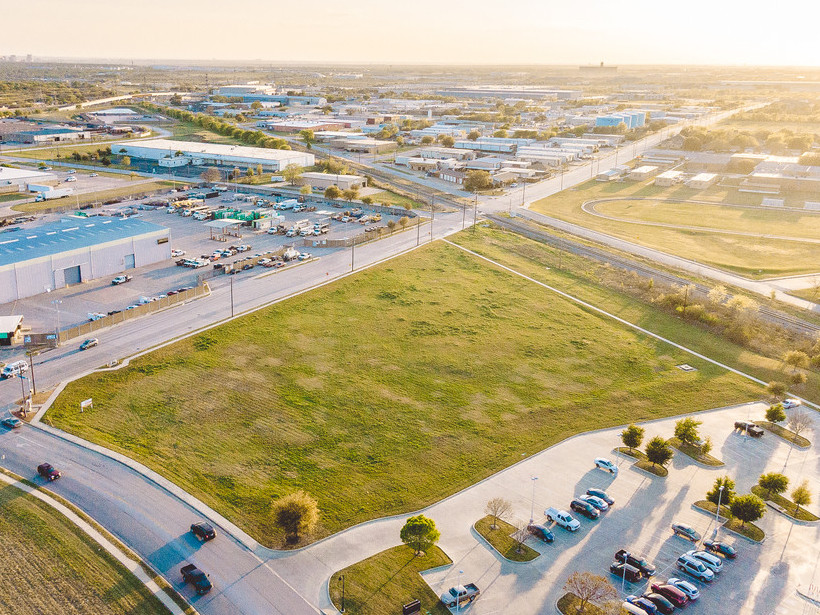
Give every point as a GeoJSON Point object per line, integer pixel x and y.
{"type": "Point", "coordinates": [717, 32]}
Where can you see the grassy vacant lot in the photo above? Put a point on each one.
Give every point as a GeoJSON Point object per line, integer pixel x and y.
{"type": "Point", "coordinates": [186, 131]}
{"type": "Point", "coordinates": [748, 256]}
{"type": "Point", "coordinates": [501, 539]}
{"type": "Point", "coordinates": [391, 199]}
{"type": "Point", "coordinates": [754, 125]}
{"type": "Point", "coordinates": [381, 584]}
{"type": "Point", "coordinates": [809, 294]}
{"type": "Point", "coordinates": [13, 196]}
{"type": "Point", "coordinates": [384, 392]}
{"type": "Point", "coordinates": [49, 566]}
{"type": "Point", "coordinates": [72, 201]}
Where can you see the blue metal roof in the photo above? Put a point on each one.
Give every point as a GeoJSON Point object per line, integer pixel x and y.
{"type": "Point", "coordinates": [68, 234]}
{"type": "Point", "coordinates": [50, 131]}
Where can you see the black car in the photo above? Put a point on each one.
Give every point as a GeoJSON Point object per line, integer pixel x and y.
{"type": "Point", "coordinates": [638, 561]}
{"type": "Point", "coordinates": [630, 573]}
{"type": "Point", "coordinates": [663, 605]}
{"type": "Point", "coordinates": [541, 532]}
{"type": "Point", "coordinates": [192, 574]}
{"type": "Point", "coordinates": [750, 428]}
{"type": "Point", "coordinates": [203, 531]}
{"type": "Point", "coordinates": [721, 548]}
{"type": "Point", "coordinates": [47, 471]}
{"type": "Point", "coordinates": [585, 508]}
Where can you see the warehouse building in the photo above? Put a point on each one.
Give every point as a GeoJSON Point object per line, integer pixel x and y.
{"type": "Point", "coordinates": [48, 135]}
{"type": "Point", "coordinates": [643, 173]}
{"type": "Point", "coordinates": [18, 180]}
{"type": "Point", "coordinates": [668, 178]}
{"type": "Point", "coordinates": [325, 180]}
{"type": "Point", "coordinates": [76, 250]}
{"type": "Point", "coordinates": [210, 154]}
{"type": "Point", "coordinates": [701, 181]}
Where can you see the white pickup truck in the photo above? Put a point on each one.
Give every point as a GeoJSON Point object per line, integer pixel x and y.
{"type": "Point", "coordinates": [562, 518]}
{"type": "Point", "coordinates": [461, 594]}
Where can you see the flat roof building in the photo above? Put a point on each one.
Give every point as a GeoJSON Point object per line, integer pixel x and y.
{"type": "Point", "coordinates": [668, 178]}
{"type": "Point", "coordinates": [325, 180]}
{"type": "Point", "coordinates": [75, 250]}
{"type": "Point", "coordinates": [48, 135]}
{"type": "Point", "coordinates": [19, 179]}
{"type": "Point", "coordinates": [701, 181]}
{"type": "Point", "coordinates": [642, 173]}
{"type": "Point", "coordinates": [212, 154]}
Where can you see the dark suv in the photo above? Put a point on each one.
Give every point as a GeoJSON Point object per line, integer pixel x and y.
{"type": "Point", "coordinates": [750, 428]}
{"type": "Point", "coordinates": [585, 508]}
{"type": "Point", "coordinates": [203, 531]}
{"type": "Point", "coordinates": [47, 471]}
{"type": "Point", "coordinates": [632, 574]}
{"type": "Point", "coordinates": [638, 561]}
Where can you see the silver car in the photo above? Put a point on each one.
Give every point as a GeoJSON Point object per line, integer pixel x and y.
{"type": "Point", "coordinates": [712, 562]}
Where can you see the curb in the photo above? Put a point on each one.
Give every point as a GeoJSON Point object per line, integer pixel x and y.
{"type": "Point", "coordinates": [710, 513]}
{"type": "Point", "coordinates": [494, 550]}
{"type": "Point", "coordinates": [783, 512]}
{"type": "Point", "coordinates": [739, 535]}
{"type": "Point", "coordinates": [637, 468]}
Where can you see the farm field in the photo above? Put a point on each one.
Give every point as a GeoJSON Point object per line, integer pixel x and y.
{"type": "Point", "coordinates": [50, 566]}
{"type": "Point", "coordinates": [384, 392]}
{"type": "Point", "coordinates": [752, 257]}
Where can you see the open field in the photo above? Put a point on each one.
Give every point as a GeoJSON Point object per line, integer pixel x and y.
{"type": "Point", "coordinates": [49, 566]}
{"type": "Point", "coordinates": [13, 196]}
{"type": "Point", "coordinates": [810, 294]}
{"type": "Point", "coordinates": [63, 152]}
{"type": "Point", "coordinates": [185, 131]}
{"type": "Point", "coordinates": [382, 583]}
{"type": "Point", "coordinates": [749, 256]}
{"type": "Point", "coordinates": [383, 392]}
{"type": "Point", "coordinates": [95, 197]}
{"type": "Point", "coordinates": [392, 199]}
{"type": "Point", "coordinates": [753, 125]}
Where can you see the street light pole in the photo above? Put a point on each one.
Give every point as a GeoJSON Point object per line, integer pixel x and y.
{"type": "Point", "coordinates": [532, 506]}
{"type": "Point", "coordinates": [623, 580]}
{"type": "Point", "coordinates": [342, 579]}
{"type": "Point", "coordinates": [231, 296]}
{"type": "Point", "coordinates": [717, 512]}
{"type": "Point", "coordinates": [31, 369]}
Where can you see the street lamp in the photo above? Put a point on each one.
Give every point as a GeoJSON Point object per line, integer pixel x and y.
{"type": "Point", "coordinates": [717, 512]}
{"type": "Point", "coordinates": [342, 579]}
{"type": "Point", "coordinates": [623, 580]}
{"type": "Point", "coordinates": [532, 506]}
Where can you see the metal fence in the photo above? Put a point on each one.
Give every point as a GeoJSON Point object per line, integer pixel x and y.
{"type": "Point", "coordinates": [141, 310]}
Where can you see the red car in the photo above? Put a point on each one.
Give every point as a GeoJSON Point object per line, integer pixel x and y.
{"type": "Point", "coordinates": [671, 593]}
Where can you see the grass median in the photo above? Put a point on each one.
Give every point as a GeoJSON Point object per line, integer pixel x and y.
{"type": "Point", "coordinates": [789, 508]}
{"type": "Point", "coordinates": [787, 434]}
{"type": "Point", "coordinates": [384, 392]}
{"type": "Point", "coordinates": [500, 537]}
{"type": "Point", "coordinates": [694, 452]}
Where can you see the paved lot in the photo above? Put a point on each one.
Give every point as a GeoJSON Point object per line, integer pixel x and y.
{"type": "Point", "coordinates": [762, 580]}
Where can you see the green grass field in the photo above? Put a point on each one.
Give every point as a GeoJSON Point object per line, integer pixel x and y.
{"type": "Point", "coordinates": [749, 256]}
{"type": "Point", "coordinates": [809, 294]}
{"type": "Point", "coordinates": [753, 125]}
{"type": "Point", "coordinates": [392, 199]}
{"type": "Point", "coordinates": [381, 584]}
{"type": "Point", "coordinates": [94, 197]}
{"type": "Point", "coordinates": [384, 392]}
{"type": "Point", "coordinates": [50, 566]}
{"type": "Point", "coordinates": [13, 196]}
{"type": "Point", "coordinates": [185, 131]}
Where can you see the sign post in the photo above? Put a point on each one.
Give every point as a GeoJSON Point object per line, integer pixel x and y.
{"type": "Point", "coordinates": [86, 403]}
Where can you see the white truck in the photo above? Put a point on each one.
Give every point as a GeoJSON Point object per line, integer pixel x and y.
{"type": "Point", "coordinates": [562, 518]}
{"type": "Point", "coordinates": [460, 594]}
{"type": "Point", "coordinates": [290, 255]}
{"type": "Point", "coordinates": [55, 193]}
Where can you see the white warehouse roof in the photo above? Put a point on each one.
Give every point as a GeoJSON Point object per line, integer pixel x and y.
{"type": "Point", "coordinates": [159, 148]}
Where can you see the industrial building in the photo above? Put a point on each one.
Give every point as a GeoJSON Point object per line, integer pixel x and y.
{"type": "Point", "coordinates": [701, 181]}
{"type": "Point", "coordinates": [17, 180]}
{"type": "Point", "coordinates": [366, 145]}
{"type": "Point", "coordinates": [632, 119]}
{"type": "Point", "coordinates": [643, 173]}
{"type": "Point", "coordinates": [47, 135]}
{"type": "Point", "coordinates": [293, 126]}
{"type": "Point", "coordinates": [209, 154]}
{"type": "Point", "coordinates": [75, 250]}
{"type": "Point", "coordinates": [668, 178]}
{"type": "Point", "coordinates": [325, 180]}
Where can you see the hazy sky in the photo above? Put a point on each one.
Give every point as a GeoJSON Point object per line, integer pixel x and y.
{"type": "Point", "coordinates": [420, 31]}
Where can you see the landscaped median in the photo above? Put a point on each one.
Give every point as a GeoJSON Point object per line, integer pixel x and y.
{"type": "Point", "coordinates": [786, 434]}
{"type": "Point", "coordinates": [695, 453]}
{"type": "Point", "coordinates": [642, 462]}
{"type": "Point", "coordinates": [381, 584]}
{"type": "Point", "coordinates": [501, 538]}
{"type": "Point", "coordinates": [784, 505]}
{"type": "Point", "coordinates": [748, 530]}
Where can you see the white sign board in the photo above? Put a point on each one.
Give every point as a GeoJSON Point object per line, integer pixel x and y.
{"type": "Point", "coordinates": [86, 403]}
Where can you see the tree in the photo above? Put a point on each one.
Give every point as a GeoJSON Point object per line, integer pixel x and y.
{"type": "Point", "coordinates": [632, 436]}
{"type": "Point", "coordinates": [308, 138]}
{"type": "Point", "coordinates": [332, 192]}
{"type": "Point", "coordinates": [368, 200]}
{"type": "Point", "coordinates": [658, 451]}
{"type": "Point", "coordinates": [304, 190]}
{"type": "Point", "coordinates": [399, 141]}
{"type": "Point", "coordinates": [291, 173]}
{"type": "Point", "coordinates": [775, 413]}
{"type": "Point", "coordinates": [176, 100]}
{"type": "Point", "coordinates": [799, 421]}
{"type": "Point", "coordinates": [259, 169]}
{"type": "Point", "coordinates": [256, 105]}
{"type": "Point", "coordinates": [125, 161]}
{"type": "Point", "coordinates": [477, 181]}
{"type": "Point", "coordinates": [249, 172]}
{"type": "Point", "coordinates": [473, 135]}
{"type": "Point", "coordinates": [589, 588]}
{"type": "Point", "coordinates": [296, 514]}
{"type": "Point", "coordinates": [797, 359]}
{"type": "Point", "coordinates": [404, 221]}
{"type": "Point", "coordinates": [391, 224]}
{"type": "Point", "coordinates": [520, 536]}
{"type": "Point", "coordinates": [773, 483]}
{"type": "Point", "coordinates": [500, 134]}
{"type": "Point", "coordinates": [728, 491]}
{"type": "Point", "coordinates": [686, 430]}
{"type": "Point", "coordinates": [748, 508]}
{"type": "Point", "coordinates": [777, 389]}
{"type": "Point", "coordinates": [498, 508]}
{"type": "Point", "coordinates": [211, 175]}
{"type": "Point", "coordinates": [801, 496]}
{"type": "Point", "coordinates": [448, 141]}
{"type": "Point", "coordinates": [419, 533]}
{"type": "Point", "coordinates": [351, 194]}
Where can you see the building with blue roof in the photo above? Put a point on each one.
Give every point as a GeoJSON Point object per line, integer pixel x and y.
{"type": "Point", "coordinates": [48, 135]}
{"type": "Point", "coordinates": [76, 250]}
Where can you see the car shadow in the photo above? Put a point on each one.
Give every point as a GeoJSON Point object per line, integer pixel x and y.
{"type": "Point", "coordinates": [172, 554]}
{"type": "Point", "coordinates": [594, 478]}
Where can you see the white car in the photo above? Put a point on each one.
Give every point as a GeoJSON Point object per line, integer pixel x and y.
{"type": "Point", "coordinates": [175, 253]}
{"type": "Point", "coordinates": [304, 256]}
{"type": "Point", "coordinates": [71, 179]}
{"type": "Point", "coordinates": [71, 171]}
{"type": "Point", "coordinates": [606, 464]}
{"type": "Point", "coordinates": [712, 562]}
{"type": "Point", "coordinates": [95, 315]}
{"type": "Point", "coordinates": [788, 404]}
{"type": "Point", "coordinates": [692, 592]}
{"type": "Point", "coordinates": [93, 175]}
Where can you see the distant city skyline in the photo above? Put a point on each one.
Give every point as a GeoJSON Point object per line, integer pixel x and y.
{"type": "Point", "coordinates": [429, 32]}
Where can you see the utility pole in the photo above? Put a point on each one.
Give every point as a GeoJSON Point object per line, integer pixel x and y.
{"type": "Point", "coordinates": [432, 217]}
{"type": "Point", "coordinates": [475, 211]}
{"type": "Point", "coordinates": [352, 254]}
{"type": "Point", "coordinates": [231, 296]}
{"type": "Point", "coordinates": [31, 369]}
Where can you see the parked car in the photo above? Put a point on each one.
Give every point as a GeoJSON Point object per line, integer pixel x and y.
{"type": "Point", "coordinates": [692, 592]}
{"type": "Point", "coordinates": [93, 175]}
{"type": "Point", "coordinates": [685, 531]}
{"type": "Point", "coordinates": [584, 508]}
{"type": "Point", "coordinates": [638, 561]}
{"type": "Point", "coordinates": [664, 606]}
{"type": "Point", "coordinates": [13, 369]}
{"type": "Point", "coordinates": [721, 548]}
{"type": "Point", "coordinates": [630, 608]}
{"type": "Point", "coordinates": [595, 501]}
{"type": "Point", "coordinates": [12, 422]}
{"type": "Point", "coordinates": [750, 428]}
{"type": "Point", "coordinates": [606, 464]}
{"type": "Point", "coordinates": [193, 575]}
{"type": "Point", "coordinates": [790, 403]}
{"type": "Point", "coordinates": [647, 606]}
{"type": "Point", "coordinates": [304, 256]}
{"type": "Point", "coordinates": [120, 279]}
{"type": "Point", "coordinates": [47, 471]}
{"type": "Point", "coordinates": [92, 316]}
{"type": "Point", "coordinates": [694, 567]}
{"type": "Point", "coordinates": [600, 493]}
{"type": "Point", "coordinates": [461, 594]}
{"type": "Point", "coordinates": [671, 593]}
{"type": "Point", "coordinates": [712, 562]}
{"type": "Point", "coordinates": [203, 531]}
{"type": "Point", "coordinates": [562, 518]}
{"type": "Point", "coordinates": [71, 179]}
{"type": "Point", "coordinates": [89, 343]}
{"type": "Point", "coordinates": [625, 571]}
{"type": "Point", "coordinates": [541, 532]}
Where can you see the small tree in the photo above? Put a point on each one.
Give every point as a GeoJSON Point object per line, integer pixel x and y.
{"type": "Point", "coordinates": [475, 181]}
{"type": "Point", "coordinates": [686, 430]}
{"type": "Point", "coordinates": [797, 359]}
{"type": "Point", "coordinates": [706, 447]}
{"type": "Point", "coordinates": [125, 161]}
{"type": "Point", "coordinates": [211, 175]}
{"type": "Point", "coordinates": [426, 140]}
{"type": "Point", "coordinates": [419, 533]}
{"type": "Point", "coordinates": [589, 588]}
{"type": "Point", "coordinates": [728, 491]}
{"type": "Point", "coordinates": [295, 514]}
{"type": "Point", "coordinates": [391, 224]}
{"type": "Point", "coordinates": [498, 508]}
{"type": "Point", "coordinates": [473, 135]}
{"type": "Point", "coordinates": [520, 536]}
{"type": "Point", "coordinates": [658, 451]}
{"type": "Point", "coordinates": [351, 194]}
{"type": "Point", "coordinates": [404, 221]}
{"type": "Point", "coordinates": [368, 200]}
{"type": "Point", "coordinates": [448, 141]}
{"type": "Point", "coordinates": [308, 138]}
{"type": "Point", "coordinates": [332, 192]}
{"type": "Point", "coordinates": [304, 190]}
{"type": "Point", "coordinates": [259, 169]}
{"type": "Point", "coordinates": [773, 483]}
{"type": "Point", "coordinates": [801, 496]}
{"type": "Point", "coordinates": [632, 436]}
{"type": "Point", "coordinates": [799, 421]}
{"type": "Point", "coordinates": [748, 508]}
{"type": "Point", "coordinates": [775, 413]}
{"type": "Point", "coordinates": [291, 173]}
{"type": "Point", "coordinates": [777, 389]}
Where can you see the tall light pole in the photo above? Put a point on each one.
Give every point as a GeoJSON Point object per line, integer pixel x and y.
{"type": "Point", "coordinates": [623, 580]}
{"type": "Point", "coordinates": [532, 506]}
{"type": "Point", "coordinates": [717, 512]}
{"type": "Point", "coordinates": [342, 579]}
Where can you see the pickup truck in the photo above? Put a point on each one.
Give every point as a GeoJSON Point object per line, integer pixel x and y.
{"type": "Point", "coordinates": [638, 561]}
{"type": "Point", "coordinates": [750, 428]}
{"type": "Point", "coordinates": [193, 575]}
{"type": "Point", "coordinates": [562, 518]}
{"type": "Point", "coordinates": [460, 594]}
